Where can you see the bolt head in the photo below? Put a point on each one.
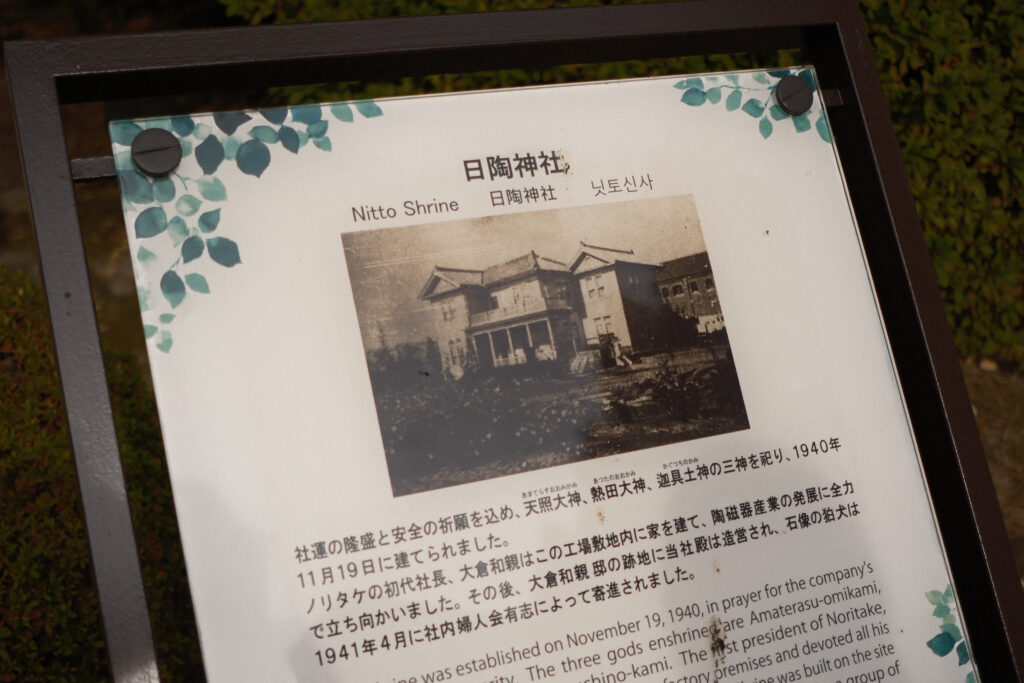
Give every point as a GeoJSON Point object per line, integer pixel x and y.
{"type": "Point", "coordinates": [794, 95]}
{"type": "Point", "coordinates": [156, 151]}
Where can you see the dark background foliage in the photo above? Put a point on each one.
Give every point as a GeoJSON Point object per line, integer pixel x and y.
{"type": "Point", "coordinates": [952, 74]}
{"type": "Point", "coordinates": [49, 613]}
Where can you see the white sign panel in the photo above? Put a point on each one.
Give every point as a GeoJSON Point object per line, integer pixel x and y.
{"type": "Point", "coordinates": [575, 383]}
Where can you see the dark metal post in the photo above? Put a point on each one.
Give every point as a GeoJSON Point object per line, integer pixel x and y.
{"type": "Point", "coordinates": [970, 522]}
{"type": "Point", "coordinates": [80, 360]}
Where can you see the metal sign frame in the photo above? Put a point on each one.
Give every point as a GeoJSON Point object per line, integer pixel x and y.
{"type": "Point", "coordinates": [47, 74]}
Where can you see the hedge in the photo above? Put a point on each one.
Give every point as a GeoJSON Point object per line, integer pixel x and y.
{"type": "Point", "coordinates": [50, 626]}
{"type": "Point", "coordinates": [952, 73]}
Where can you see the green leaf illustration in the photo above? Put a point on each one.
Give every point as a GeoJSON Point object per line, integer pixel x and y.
{"type": "Point", "coordinates": [223, 251]}
{"type": "Point", "coordinates": [368, 109]}
{"type": "Point", "coordinates": [940, 611]}
{"type": "Point", "coordinates": [182, 125]}
{"type": "Point", "coordinates": [760, 77]}
{"type": "Point", "coordinates": [145, 255]}
{"type": "Point", "coordinates": [174, 289]}
{"type": "Point", "coordinates": [777, 112]}
{"type": "Point", "coordinates": [765, 126]}
{"type": "Point", "coordinates": [934, 597]}
{"type": "Point", "coordinates": [342, 112]}
{"type": "Point", "coordinates": [971, 678]}
{"type": "Point", "coordinates": [947, 594]}
{"type": "Point", "coordinates": [162, 124]}
{"type": "Point", "coordinates": [213, 143]}
{"type": "Point", "coordinates": [694, 97]}
{"type": "Point", "coordinates": [192, 249]}
{"type": "Point", "coordinates": [149, 330]}
{"type": "Point", "coordinates": [123, 132]}
{"type": "Point", "coordinates": [209, 154]}
{"type": "Point", "coordinates": [808, 78]}
{"type": "Point", "coordinates": [753, 108]}
{"type": "Point", "coordinates": [263, 133]}
{"type": "Point", "coordinates": [952, 630]}
{"type": "Point", "coordinates": [317, 130]}
{"type": "Point", "coordinates": [212, 189]}
{"type": "Point", "coordinates": [135, 187]}
{"type": "Point", "coordinates": [732, 102]}
{"type": "Point", "coordinates": [714, 95]}
{"type": "Point", "coordinates": [822, 126]}
{"type": "Point", "coordinates": [197, 283]}
{"type": "Point", "coordinates": [275, 115]}
{"type": "Point", "coordinates": [230, 121]}
{"type": "Point", "coordinates": [802, 123]}
{"type": "Point", "coordinates": [187, 205]}
{"type": "Point", "coordinates": [688, 83]}
{"type": "Point", "coordinates": [289, 139]}
{"type": "Point", "coordinates": [962, 655]}
{"type": "Point", "coordinates": [150, 222]}
{"type": "Point", "coordinates": [253, 157]}
{"type": "Point", "coordinates": [165, 342]}
{"type": "Point", "coordinates": [163, 189]}
{"type": "Point", "coordinates": [209, 221]}
{"type": "Point", "coordinates": [310, 113]}
{"type": "Point", "coordinates": [231, 146]}
{"type": "Point", "coordinates": [177, 229]}
{"type": "Point", "coordinates": [941, 644]}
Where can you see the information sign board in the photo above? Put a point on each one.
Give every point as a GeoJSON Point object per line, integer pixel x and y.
{"type": "Point", "coordinates": [582, 382]}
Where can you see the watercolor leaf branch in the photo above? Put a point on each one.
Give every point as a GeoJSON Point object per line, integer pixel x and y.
{"type": "Point", "coordinates": [178, 217]}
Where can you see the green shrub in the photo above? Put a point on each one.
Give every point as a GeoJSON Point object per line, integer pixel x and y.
{"type": "Point", "coordinates": [952, 73]}
{"type": "Point", "coordinates": [49, 621]}
{"type": "Point", "coordinates": [50, 625]}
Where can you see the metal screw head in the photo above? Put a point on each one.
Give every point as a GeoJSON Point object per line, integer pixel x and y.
{"type": "Point", "coordinates": [794, 95]}
{"type": "Point", "coordinates": [156, 151]}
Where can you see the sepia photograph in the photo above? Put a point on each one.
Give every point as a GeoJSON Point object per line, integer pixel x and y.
{"type": "Point", "coordinates": [517, 342]}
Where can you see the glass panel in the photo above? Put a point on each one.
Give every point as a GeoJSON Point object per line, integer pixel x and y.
{"type": "Point", "coordinates": [443, 398]}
